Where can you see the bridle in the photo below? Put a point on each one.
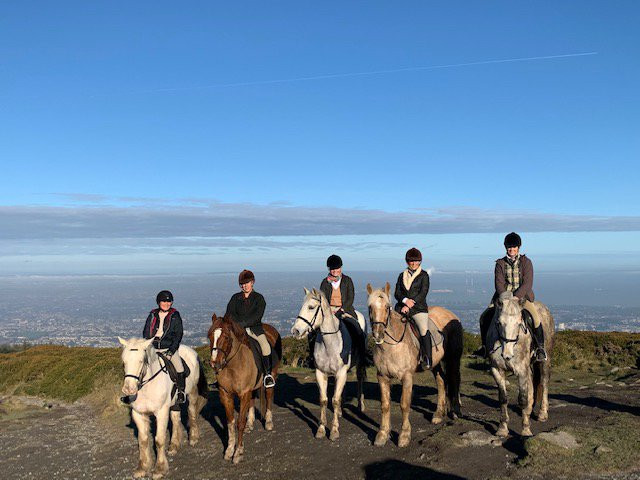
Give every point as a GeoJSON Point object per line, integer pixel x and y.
{"type": "Point", "coordinates": [227, 357]}
{"type": "Point", "coordinates": [503, 340]}
{"type": "Point", "coordinates": [312, 323]}
{"type": "Point", "coordinates": [385, 324]}
{"type": "Point", "coordinates": [143, 370]}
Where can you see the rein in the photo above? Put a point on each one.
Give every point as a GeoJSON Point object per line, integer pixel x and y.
{"type": "Point", "coordinates": [140, 377]}
{"type": "Point", "coordinates": [385, 324]}
{"type": "Point", "coordinates": [312, 323]}
{"type": "Point", "coordinates": [227, 357]}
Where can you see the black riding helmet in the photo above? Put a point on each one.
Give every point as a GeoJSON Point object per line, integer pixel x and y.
{"type": "Point", "coordinates": [164, 296]}
{"type": "Point", "coordinates": [333, 262]}
{"type": "Point", "coordinates": [512, 240]}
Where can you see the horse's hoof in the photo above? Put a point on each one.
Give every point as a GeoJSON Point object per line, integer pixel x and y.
{"type": "Point", "coordinates": [160, 472]}
{"type": "Point", "coordinates": [381, 439]}
{"type": "Point", "coordinates": [237, 458]}
{"type": "Point", "coordinates": [268, 426]}
{"type": "Point", "coordinates": [228, 455]}
{"type": "Point", "coordinates": [526, 432]}
{"type": "Point", "coordinates": [543, 417]}
{"type": "Point", "coordinates": [437, 419]}
{"type": "Point", "coordinates": [404, 440]}
{"type": "Point", "coordinates": [361, 407]}
{"type": "Point", "coordinates": [193, 442]}
{"type": "Point", "coordinates": [334, 435]}
{"type": "Point", "coordinates": [173, 449]}
{"type": "Point", "coordinates": [249, 429]}
{"type": "Point", "coordinates": [321, 433]}
{"type": "Point", "coordinates": [503, 432]}
{"type": "Point", "coordinates": [139, 473]}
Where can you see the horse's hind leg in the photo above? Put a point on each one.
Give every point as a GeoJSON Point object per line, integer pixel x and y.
{"type": "Point", "coordinates": [322, 380]}
{"type": "Point", "coordinates": [542, 391]}
{"type": "Point", "coordinates": [245, 401]}
{"type": "Point", "coordinates": [385, 406]}
{"type": "Point", "coordinates": [405, 403]}
{"type": "Point", "coordinates": [441, 409]}
{"type": "Point", "coordinates": [503, 429]}
{"type": "Point", "coordinates": [268, 416]}
{"type": "Point", "coordinates": [162, 464]}
{"type": "Point", "coordinates": [251, 416]}
{"type": "Point", "coordinates": [341, 379]}
{"type": "Point", "coordinates": [361, 374]}
{"type": "Point", "coordinates": [525, 398]}
{"type": "Point", "coordinates": [176, 432]}
{"type": "Point", "coordinates": [195, 405]}
{"type": "Point", "coordinates": [144, 444]}
{"type": "Point", "coordinates": [227, 401]}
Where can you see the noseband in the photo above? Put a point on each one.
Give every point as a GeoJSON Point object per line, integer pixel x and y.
{"type": "Point", "coordinates": [521, 329]}
{"type": "Point", "coordinates": [143, 372]}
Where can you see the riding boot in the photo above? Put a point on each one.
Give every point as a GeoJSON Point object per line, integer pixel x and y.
{"type": "Point", "coordinates": [538, 336]}
{"type": "Point", "coordinates": [485, 321]}
{"type": "Point", "coordinates": [311, 338]}
{"type": "Point", "coordinates": [425, 347]}
{"type": "Point", "coordinates": [269, 381]}
{"type": "Point", "coordinates": [180, 386]}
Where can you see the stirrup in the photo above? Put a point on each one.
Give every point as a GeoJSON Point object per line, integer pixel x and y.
{"type": "Point", "coordinates": [181, 397]}
{"type": "Point", "coordinates": [269, 381]}
{"type": "Point", "coordinates": [541, 355]}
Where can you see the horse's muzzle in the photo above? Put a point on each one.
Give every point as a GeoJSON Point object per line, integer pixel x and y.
{"type": "Point", "coordinates": [129, 399]}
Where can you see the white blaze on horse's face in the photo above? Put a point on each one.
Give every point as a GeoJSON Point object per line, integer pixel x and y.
{"type": "Point", "coordinates": [133, 354]}
{"type": "Point", "coordinates": [214, 348]}
{"type": "Point", "coordinates": [310, 312]}
{"type": "Point", "coordinates": [378, 312]}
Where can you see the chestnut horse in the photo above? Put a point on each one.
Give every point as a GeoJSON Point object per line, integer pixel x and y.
{"type": "Point", "coordinates": [234, 363]}
{"type": "Point", "coordinates": [396, 357]}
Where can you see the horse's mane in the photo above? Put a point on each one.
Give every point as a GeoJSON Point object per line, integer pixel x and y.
{"type": "Point", "coordinates": [509, 304]}
{"type": "Point", "coordinates": [375, 294]}
{"type": "Point", "coordinates": [227, 322]}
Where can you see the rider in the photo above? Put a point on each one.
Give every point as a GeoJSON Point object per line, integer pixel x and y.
{"type": "Point", "coordinates": [164, 325]}
{"type": "Point", "coordinates": [514, 273]}
{"type": "Point", "coordinates": [411, 294]}
{"type": "Point", "coordinates": [338, 288]}
{"type": "Point", "coordinates": [247, 308]}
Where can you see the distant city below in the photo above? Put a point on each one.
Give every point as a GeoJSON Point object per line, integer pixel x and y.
{"type": "Point", "coordinates": [94, 310]}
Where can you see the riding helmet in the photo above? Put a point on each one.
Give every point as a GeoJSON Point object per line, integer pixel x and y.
{"type": "Point", "coordinates": [334, 262]}
{"type": "Point", "coordinates": [512, 240]}
{"type": "Point", "coordinates": [164, 296]}
{"type": "Point", "coordinates": [246, 276]}
{"type": "Point", "coordinates": [413, 255]}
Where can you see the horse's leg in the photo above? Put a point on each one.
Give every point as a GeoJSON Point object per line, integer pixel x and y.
{"type": "Point", "coordinates": [227, 401]}
{"type": "Point", "coordinates": [385, 421]}
{"type": "Point", "coordinates": [145, 462]}
{"type": "Point", "coordinates": [268, 416]}
{"type": "Point", "coordinates": [194, 409]}
{"type": "Point", "coordinates": [245, 401]}
{"type": "Point", "coordinates": [543, 387]}
{"type": "Point", "coordinates": [251, 416]}
{"type": "Point", "coordinates": [525, 399]}
{"type": "Point", "coordinates": [503, 429]}
{"type": "Point", "coordinates": [405, 404]}
{"type": "Point", "coordinates": [162, 464]}
{"type": "Point", "coordinates": [441, 409]}
{"type": "Point", "coordinates": [176, 432]}
{"type": "Point", "coordinates": [322, 380]}
{"type": "Point", "coordinates": [361, 373]}
{"type": "Point", "coordinates": [341, 379]}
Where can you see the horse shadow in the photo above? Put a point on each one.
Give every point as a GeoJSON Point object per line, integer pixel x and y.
{"type": "Point", "coordinates": [597, 402]}
{"type": "Point", "coordinates": [396, 469]}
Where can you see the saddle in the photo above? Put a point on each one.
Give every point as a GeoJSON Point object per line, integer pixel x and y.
{"type": "Point", "coordinates": [437, 335]}
{"type": "Point", "coordinates": [171, 370]}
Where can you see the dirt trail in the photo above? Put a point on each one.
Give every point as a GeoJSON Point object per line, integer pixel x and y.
{"type": "Point", "coordinates": [71, 441]}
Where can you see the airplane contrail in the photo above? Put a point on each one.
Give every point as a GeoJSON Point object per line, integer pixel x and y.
{"type": "Point", "coordinates": [374, 72]}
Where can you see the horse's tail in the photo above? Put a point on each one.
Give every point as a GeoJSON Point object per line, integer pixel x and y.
{"type": "Point", "coordinates": [278, 347]}
{"type": "Point", "coordinates": [452, 358]}
{"type": "Point", "coordinates": [203, 389]}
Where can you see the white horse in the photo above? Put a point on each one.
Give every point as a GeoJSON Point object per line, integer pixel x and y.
{"type": "Point", "coordinates": [149, 387]}
{"type": "Point", "coordinates": [316, 314]}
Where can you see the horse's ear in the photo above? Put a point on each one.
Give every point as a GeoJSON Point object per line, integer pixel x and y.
{"type": "Point", "coordinates": [387, 288]}
{"type": "Point", "coordinates": [147, 343]}
{"type": "Point", "coordinates": [214, 317]}
{"type": "Point", "coordinates": [122, 342]}
{"type": "Point", "coordinates": [306, 291]}
{"type": "Point", "coordinates": [314, 291]}
{"type": "Point", "coordinates": [369, 288]}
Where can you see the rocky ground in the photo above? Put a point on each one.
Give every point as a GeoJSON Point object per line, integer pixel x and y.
{"type": "Point", "coordinates": [593, 425]}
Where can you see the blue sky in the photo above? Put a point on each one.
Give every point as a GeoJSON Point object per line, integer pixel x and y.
{"type": "Point", "coordinates": [133, 133]}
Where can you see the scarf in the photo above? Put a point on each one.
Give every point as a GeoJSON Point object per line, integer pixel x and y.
{"type": "Point", "coordinates": [408, 277]}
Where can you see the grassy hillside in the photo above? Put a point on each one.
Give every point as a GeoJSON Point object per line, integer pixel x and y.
{"type": "Point", "coordinates": [71, 373]}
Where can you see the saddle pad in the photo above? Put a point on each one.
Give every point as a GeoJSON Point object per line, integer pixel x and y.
{"type": "Point", "coordinates": [348, 345]}
{"type": "Point", "coordinates": [257, 355]}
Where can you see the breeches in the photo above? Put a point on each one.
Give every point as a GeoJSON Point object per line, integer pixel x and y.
{"type": "Point", "coordinates": [176, 361]}
{"type": "Point", "coordinates": [531, 308]}
{"type": "Point", "coordinates": [422, 321]}
{"type": "Point", "coordinates": [262, 341]}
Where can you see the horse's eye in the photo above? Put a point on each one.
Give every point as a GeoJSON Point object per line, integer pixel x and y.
{"type": "Point", "coordinates": [310, 307]}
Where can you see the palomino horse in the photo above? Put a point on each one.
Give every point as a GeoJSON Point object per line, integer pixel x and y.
{"type": "Point", "coordinates": [238, 374]}
{"type": "Point", "coordinates": [149, 388]}
{"type": "Point", "coordinates": [329, 354]}
{"type": "Point", "coordinates": [396, 357]}
{"type": "Point", "coordinates": [509, 340]}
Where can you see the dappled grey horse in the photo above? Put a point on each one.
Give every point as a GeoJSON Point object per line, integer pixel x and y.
{"type": "Point", "coordinates": [329, 354]}
{"type": "Point", "coordinates": [509, 342]}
